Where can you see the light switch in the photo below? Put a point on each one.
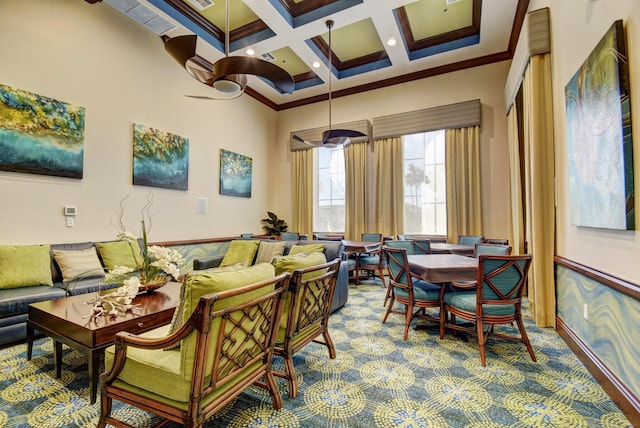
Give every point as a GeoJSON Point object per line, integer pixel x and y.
{"type": "Point", "coordinates": [69, 221]}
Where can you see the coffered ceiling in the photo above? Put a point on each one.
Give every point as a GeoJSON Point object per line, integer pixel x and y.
{"type": "Point", "coordinates": [431, 37]}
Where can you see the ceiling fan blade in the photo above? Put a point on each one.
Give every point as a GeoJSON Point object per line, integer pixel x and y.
{"type": "Point", "coordinates": [310, 143]}
{"type": "Point", "coordinates": [181, 48]}
{"type": "Point", "coordinates": [257, 67]}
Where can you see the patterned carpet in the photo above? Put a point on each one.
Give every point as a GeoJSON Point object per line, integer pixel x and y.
{"type": "Point", "coordinates": [377, 380]}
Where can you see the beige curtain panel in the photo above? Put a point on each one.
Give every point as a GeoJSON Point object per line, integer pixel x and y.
{"type": "Point", "coordinates": [302, 190]}
{"type": "Point", "coordinates": [516, 233]}
{"type": "Point", "coordinates": [356, 172]}
{"type": "Point", "coordinates": [464, 196]}
{"type": "Point", "coordinates": [388, 155]}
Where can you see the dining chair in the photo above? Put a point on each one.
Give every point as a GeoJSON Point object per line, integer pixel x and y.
{"type": "Point", "coordinates": [408, 290]}
{"type": "Point", "coordinates": [494, 298]}
{"type": "Point", "coordinates": [290, 236]}
{"type": "Point", "coordinates": [371, 237]}
{"type": "Point", "coordinates": [496, 241]}
{"type": "Point", "coordinates": [306, 312]}
{"type": "Point", "coordinates": [246, 235]}
{"type": "Point", "coordinates": [421, 246]}
{"type": "Point", "coordinates": [470, 240]}
{"type": "Point", "coordinates": [408, 246]}
{"type": "Point", "coordinates": [373, 262]}
{"type": "Point", "coordinates": [495, 249]}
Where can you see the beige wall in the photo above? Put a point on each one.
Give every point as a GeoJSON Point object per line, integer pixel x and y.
{"type": "Point", "coordinates": [576, 27]}
{"type": "Point", "coordinates": [95, 57]}
{"type": "Point", "coordinates": [485, 83]}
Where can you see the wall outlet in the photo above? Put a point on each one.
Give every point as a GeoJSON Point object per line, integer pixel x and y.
{"type": "Point", "coordinates": [585, 311]}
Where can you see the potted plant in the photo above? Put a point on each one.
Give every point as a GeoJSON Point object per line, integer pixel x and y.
{"type": "Point", "coordinates": [273, 226]}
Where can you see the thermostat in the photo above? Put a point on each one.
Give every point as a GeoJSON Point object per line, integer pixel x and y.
{"type": "Point", "coordinates": [70, 211]}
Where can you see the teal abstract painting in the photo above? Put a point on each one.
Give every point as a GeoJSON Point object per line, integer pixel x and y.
{"type": "Point", "coordinates": [160, 159]}
{"type": "Point", "coordinates": [40, 135]}
{"type": "Point", "coordinates": [235, 174]}
{"type": "Point", "coordinates": [599, 136]}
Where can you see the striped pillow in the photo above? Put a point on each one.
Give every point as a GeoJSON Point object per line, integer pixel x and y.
{"type": "Point", "coordinates": [268, 250]}
{"type": "Point", "coordinates": [76, 264]}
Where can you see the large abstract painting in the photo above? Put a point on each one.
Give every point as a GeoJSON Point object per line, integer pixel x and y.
{"type": "Point", "coordinates": [235, 174]}
{"type": "Point", "coordinates": [599, 137]}
{"type": "Point", "coordinates": [40, 135]}
{"type": "Point", "coordinates": [160, 159]}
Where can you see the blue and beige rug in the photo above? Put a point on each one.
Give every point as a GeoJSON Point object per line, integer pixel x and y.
{"type": "Point", "coordinates": [377, 380]}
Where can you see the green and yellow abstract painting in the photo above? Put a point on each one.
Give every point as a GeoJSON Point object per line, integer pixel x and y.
{"type": "Point", "coordinates": [40, 135]}
{"type": "Point", "coordinates": [160, 159]}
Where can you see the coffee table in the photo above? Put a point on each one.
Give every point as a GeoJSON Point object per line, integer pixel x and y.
{"type": "Point", "coordinates": [68, 321]}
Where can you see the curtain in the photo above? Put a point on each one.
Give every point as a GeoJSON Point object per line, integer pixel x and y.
{"type": "Point", "coordinates": [516, 226]}
{"type": "Point", "coordinates": [356, 170]}
{"type": "Point", "coordinates": [464, 198]}
{"type": "Point", "coordinates": [388, 155]}
{"type": "Point", "coordinates": [302, 189]}
{"type": "Point", "coordinates": [539, 187]}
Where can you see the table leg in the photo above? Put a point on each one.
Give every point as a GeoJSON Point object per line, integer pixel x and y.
{"type": "Point", "coordinates": [30, 335]}
{"type": "Point", "coordinates": [94, 375]}
{"type": "Point", "coordinates": [57, 357]}
{"type": "Point", "coordinates": [357, 271]}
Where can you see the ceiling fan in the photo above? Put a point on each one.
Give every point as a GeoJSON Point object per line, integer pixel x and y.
{"type": "Point", "coordinates": [332, 137]}
{"type": "Point", "coordinates": [228, 75]}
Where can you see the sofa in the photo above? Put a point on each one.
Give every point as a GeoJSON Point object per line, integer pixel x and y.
{"type": "Point", "coordinates": [31, 273]}
{"type": "Point", "coordinates": [331, 250]}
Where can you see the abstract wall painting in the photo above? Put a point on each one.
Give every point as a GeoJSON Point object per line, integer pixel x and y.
{"type": "Point", "coordinates": [40, 135]}
{"type": "Point", "coordinates": [235, 174]}
{"type": "Point", "coordinates": [160, 159]}
{"type": "Point", "coordinates": [599, 137]}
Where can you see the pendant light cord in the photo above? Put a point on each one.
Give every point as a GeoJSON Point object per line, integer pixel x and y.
{"type": "Point", "coordinates": [226, 31]}
{"type": "Point", "coordinates": [329, 25]}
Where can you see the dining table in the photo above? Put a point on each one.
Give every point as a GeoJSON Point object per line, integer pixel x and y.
{"type": "Point", "coordinates": [357, 248]}
{"type": "Point", "coordinates": [441, 268]}
{"type": "Point", "coordinates": [446, 248]}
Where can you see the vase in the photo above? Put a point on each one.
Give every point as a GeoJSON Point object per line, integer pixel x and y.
{"type": "Point", "coordinates": [154, 283]}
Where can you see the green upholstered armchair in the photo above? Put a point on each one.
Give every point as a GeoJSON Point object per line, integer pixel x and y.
{"type": "Point", "coordinates": [494, 298]}
{"type": "Point", "coordinates": [225, 346]}
{"type": "Point", "coordinates": [305, 318]}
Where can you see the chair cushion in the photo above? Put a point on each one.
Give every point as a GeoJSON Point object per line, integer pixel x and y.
{"type": "Point", "coordinates": [78, 264]}
{"type": "Point", "coordinates": [309, 248]}
{"type": "Point", "coordinates": [25, 266]}
{"type": "Point", "coordinates": [120, 253]}
{"type": "Point", "coordinates": [268, 250]}
{"type": "Point", "coordinates": [422, 291]}
{"type": "Point", "coordinates": [370, 260]}
{"type": "Point", "coordinates": [466, 300]}
{"type": "Point", "coordinates": [240, 251]}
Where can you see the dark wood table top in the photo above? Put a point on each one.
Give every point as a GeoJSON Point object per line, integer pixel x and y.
{"type": "Point", "coordinates": [443, 267]}
{"type": "Point", "coordinates": [71, 316]}
{"type": "Point", "coordinates": [445, 248]}
{"type": "Point", "coordinates": [360, 246]}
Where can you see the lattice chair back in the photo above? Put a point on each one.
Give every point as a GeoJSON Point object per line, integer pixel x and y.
{"type": "Point", "coordinates": [422, 246]}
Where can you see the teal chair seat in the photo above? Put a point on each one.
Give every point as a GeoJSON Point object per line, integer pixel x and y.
{"type": "Point", "coordinates": [466, 301]}
{"type": "Point", "coordinates": [370, 260]}
{"type": "Point", "coordinates": [422, 291]}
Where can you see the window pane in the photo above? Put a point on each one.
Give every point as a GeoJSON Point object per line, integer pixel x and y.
{"type": "Point", "coordinates": [330, 192]}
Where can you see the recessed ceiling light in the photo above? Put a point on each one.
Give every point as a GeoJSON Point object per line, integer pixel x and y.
{"type": "Point", "coordinates": [251, 52]}
{"type": "Point", "coordinates": [316, 64]}
{"type": "Point", "coordinates": [391, 42]}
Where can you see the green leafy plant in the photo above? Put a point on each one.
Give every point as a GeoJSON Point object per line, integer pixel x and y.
{"type": "Point", "coordinates": [273, 225]}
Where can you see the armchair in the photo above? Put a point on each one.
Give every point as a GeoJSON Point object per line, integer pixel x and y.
{"type": "Point", "coordinates": [494, 298]}
{"type": "Point", "coordinates": [306, 316]}
{"type": "Point", "coordinates": [226, 345]}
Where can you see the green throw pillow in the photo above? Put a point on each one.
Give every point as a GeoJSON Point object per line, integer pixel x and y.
{"type": "Point", "coordinates": [240, 251]}
{"type": "Point", "coordinates": [292, 262]}
{"type": "Point", "coordinates": [120, 253]}
{"type": "Point", "coordinates": [25, 265]}
{"type": "Point", "coordinates": [309, 248]}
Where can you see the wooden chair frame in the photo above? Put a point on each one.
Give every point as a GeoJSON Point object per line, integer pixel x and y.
{"type": "Point", "coordinates": [480, 319]}
{"type": "Point", "coordinates": [258, 344]}
{"type": "Point", "coordinates": [407, 245]}
{"type": "Point", "coordinates": [309, 300]}
{"type": "Point", "coordinates": [403, 279]}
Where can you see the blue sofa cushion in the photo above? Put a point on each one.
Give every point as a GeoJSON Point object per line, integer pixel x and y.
{"type": "Point", "coordinates": [16, 301]}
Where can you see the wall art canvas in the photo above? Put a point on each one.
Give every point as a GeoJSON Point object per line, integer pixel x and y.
{"type": "Point", "coordinates": [599, 137]}
{"type": "Point", "coordinates": [235, 174]}
{"type": "Point", "coordinates": [160, 159]}
{"type": "Point", "coordinates": [40, 135]}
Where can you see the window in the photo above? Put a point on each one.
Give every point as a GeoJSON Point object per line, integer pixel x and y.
{"type": "Point", "coordinates": [329, 190]}
{"type": "Point", "coordinates": [425, 184]}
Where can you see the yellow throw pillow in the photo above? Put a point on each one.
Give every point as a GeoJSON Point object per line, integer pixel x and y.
{"type": "Point", "coordinates": [309, 248]}
{"type": "Point", "coordinates": [76, 264]}
{"type": "Point", "coordinates": [240, 251]}
{"type": "Point", "coordinates": [268, 250]}
{"type": "Point", "coordinates": [120, 253]}
{"type": "Point", "coordinates": [25, 265]}
{"type": "Point", "coordinates": [292, 262]}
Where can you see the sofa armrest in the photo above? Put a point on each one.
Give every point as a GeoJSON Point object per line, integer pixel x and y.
{"type": "Point", "coordinates": [207, 262]}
